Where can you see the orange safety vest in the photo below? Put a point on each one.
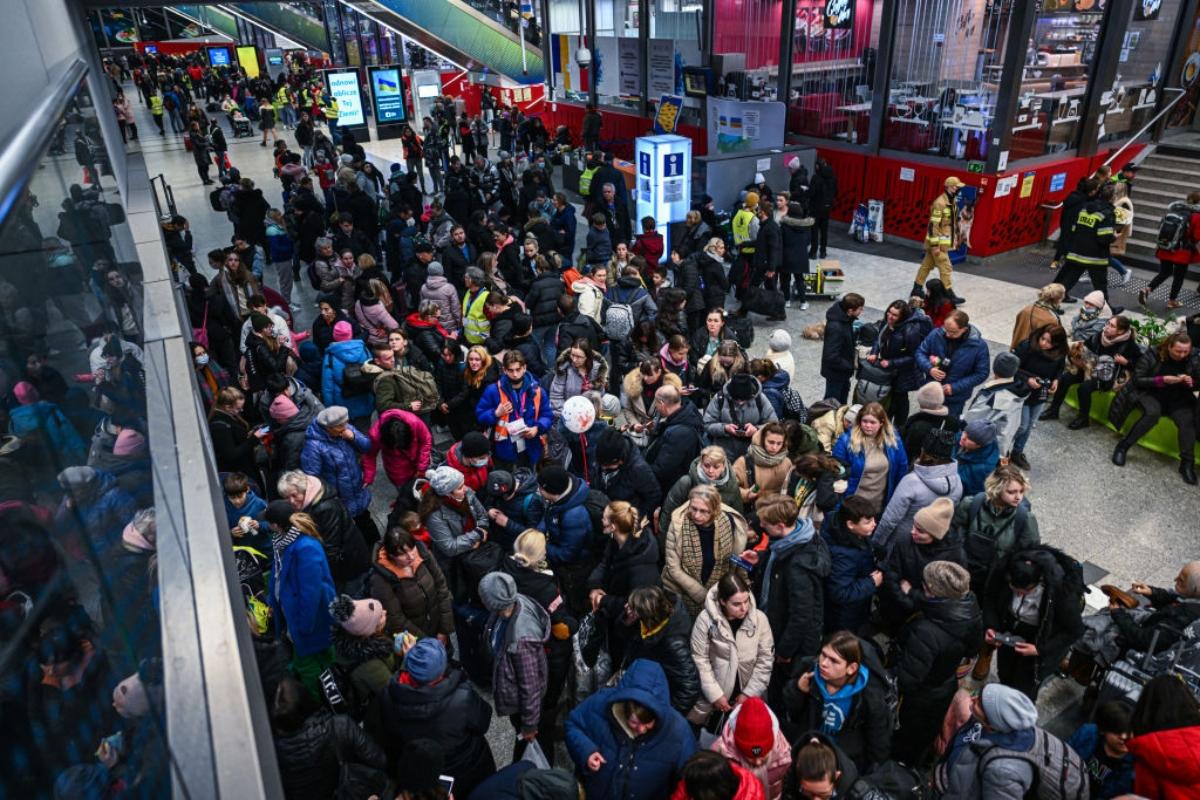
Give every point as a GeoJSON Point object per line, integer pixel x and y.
{"type": "Point", "coordinates": [501, 429]}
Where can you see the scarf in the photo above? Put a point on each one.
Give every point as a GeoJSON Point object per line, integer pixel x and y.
{"type": "Point", "coordinates": [837, 706]}
{"type": "Point", "coordinates": [705, 481]}
{"type": "Point", "coordinates": [647, 632]}
{"type": "Point", "coordinates": [134, 540]}
{"type": "Point", "coordinates": [1120, 337]}
{"type": "Point", "coordinates": [403, 573]}
{"type": "Point", "coordinates": [463, 508]}
{"type": "Point", "coordinates": [800, 535]}
{"type": "Point", "coordinates": [692, 556]}
{"type": "Point", "coordinates": [764, 459]}
{"type": "Point", "coordinates": [312, 491]}
{"type": "Point", "coordinates": [279, 543]}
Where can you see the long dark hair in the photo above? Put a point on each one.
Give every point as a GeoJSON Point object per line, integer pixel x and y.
{"type": "Point", "coordinates": [1058, 339]}
{"type": "Point", "coordinates": [1166, 702]}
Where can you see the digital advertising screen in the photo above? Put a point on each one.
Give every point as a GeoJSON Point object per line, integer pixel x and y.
{"type": "Point", "coordinates": [427, 91]}
{"type": "Point", "coordinates": [218, 56]}
{"type": "Point", "coordinates": [343, 85]}
{"type": "Point", "coordinates": [150, 48]}
{"type": "Point", "coordinates": [248, 58]}
{"type": "Point", "coordinates": [388, 93]}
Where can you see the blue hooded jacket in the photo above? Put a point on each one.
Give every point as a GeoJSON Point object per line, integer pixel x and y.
{"type": "Point", "coordinates": [305, 592]}
{"type": "Point", "coordinates": [524, 402]}
{"type": "Point", "coordinates": [337, 357]}
{"type": "Point", "coordinates": [642, 769]}
{"type": "Point", "coordinates": [568, 526]}
{"type": "Point", "coordinates": [856, 462]}
{"type": "Point", "coordinates": [337, 462]}
{"type": "Point", "coordinates": [969, 366]}
{"type": "Point", "coordinates": [773, 390]}
{"type": "Point", "coordinates": [975, 465]}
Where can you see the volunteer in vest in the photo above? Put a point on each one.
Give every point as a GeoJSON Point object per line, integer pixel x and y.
{"type": "Point", "coordinates": [156, 111]}
{"type": "Point", "coordinates": [1092, 236]}
{"type": "Point", "coordinates": [585, 177]}
{"type": "Point", "coordinates": [476, 325]}
{"type": "Point", "coordinates": [996, 523]}
{"type": "Point", "coordinates": [1178, 246]}
{"type": "Point", "coordinates": [283, 107]}
{"type": "Point", "coordinates": [516, 401]}
{"type": "Point", "coordinates": [941, 237]}
{"type": "Point", "coordinates": [745, 234]}
{"type": "Point", "coordinates": [331, 111]}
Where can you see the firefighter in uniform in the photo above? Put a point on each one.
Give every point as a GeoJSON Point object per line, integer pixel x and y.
{"type": "Point", "coordinates": [1088, 248]}
{"type": "Point", "coordinates": [745, 232]}
{"type": "Point", "coordinates": [940, 239]}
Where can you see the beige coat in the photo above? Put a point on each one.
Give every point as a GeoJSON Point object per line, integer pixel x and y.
{"type": "Point", "coordinates": [682, 571]}
{"type": "Point", "coordinates": [829, 427]}
{"type": "Point", "coordinates": [1029, 319]}
{"type": "Point", "coordinates": [722, 658]}
{"type": "Point", "coordinates": [770, 480]}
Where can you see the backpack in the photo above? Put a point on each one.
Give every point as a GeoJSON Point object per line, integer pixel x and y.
{"type": "Point", "coordinates": [981, 550]}
{"type": "Point", "coordinates": [313, 278]}
{"type": "Point", "coordinates": [214, 199]}
{"type": "Point", "coordinates": [890, 780]}
{"type": "Point", "coordinates": [618, 321]}
{"type": "Point", "coordinates": [355, 381]}
{"type": "Point", "coordinates": [793, 405]}
{"type": "Point", "coordinates": [1174, 229]}
{"type": "Point", "coordinates": [982, 407]}
{"type": "Point", "coordinates": [1058, 771]}
{"type": "Point", "coordinates": [874, 383]}
{"type": "Point", "coordinates": [742, 330]}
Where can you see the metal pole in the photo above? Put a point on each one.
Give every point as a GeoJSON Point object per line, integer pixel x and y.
{"type": "Point", "coordinates": [644, 55]}
{"type": "Point", "coordinates": [1020, 28]}
{"type": "Point", "coordinates": [547, 61]}
{"type": "Point", "coordinates": [589, 7]}
{"type": "Point", "coordinates": [787, 27]}
{"type": "Point", "coordinates": [1104, 70]}
{"type": "Point", "coordinates": [883, 75]}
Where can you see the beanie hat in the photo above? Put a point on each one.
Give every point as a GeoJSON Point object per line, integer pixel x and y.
{"type": "Point", "coordinates": [129, 442]}
{"type": "Point", "coordinates": [130, 697]}
{"type": "Point", "coordinates": [932, 400]}
{"type": "Point", "coordinates": [935, 518]}
{"type": "Point", "coordinates": [758, 178]}
{"type": "Point", "coordinates": [780, 341]}
{"type": "Point", "coordinates": [981, 431]}
{"type": "Point", "coordinates": [260, 322]}
{"type": "Point", "coordinates": [279, 513]}
{"type": "Point", "coordinates": [751, 200]}
{"type": "Point", "coordinates": [426, 660]}
{"type": "Point", "coordinates": [396, 167]}
{"type": "Point", "coordinates": [743, 386]}
{"type": "Point", "coordinates": [282, 409]}
{"type": "Point", "coordinates": [754, 732]}
{"type": "Point", "coordinates": [26, 393]}
{"type": "Point", "coordinates": [610, 405]}
{"type": "Point", "coordinates": [332, 416]}
{"type": "Point", "coordinates": [530, 548]}
{"type": "Point", "coordinates": [497, 591]}
{"type": "Point", "coordinates": [945, 579]}
{"type": "Point", "coordinates": [475, 445]}
{"type": "Point", "coordinates": [342, 332]}
{"type": "Point", "coordinates": [435, 268]}
{"type": "Point", "coordinates": [421, 762]}
{"type": "Point", "coordinates": [793, 163]}
{"type": "Point", "coordinates": [939, 443]}
{"type": "Point", "coordinates": [444, 480]}
{"type": "Point", "coordinates": [1095, 298]}
{"type": "Point", "coordinates": [76, 477]}
{"type": "Point", "coordinates": [1005, 365]}
{"type": "Point", "coordinates": [611, 449]}
{"type": "Point", "coordinates": [500, 483]}
{"type": "Point", "coordinates": [852, 413]}
{"type": "Point", "coordinates": [554, 479]}
{"type": "Point", "coordinates": [1008, 709]}
{"type": "Point", "coordinates": [358, 617]}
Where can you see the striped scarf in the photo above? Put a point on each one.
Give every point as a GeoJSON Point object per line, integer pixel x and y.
{"type": "Point", "coordinates": [279, 543]}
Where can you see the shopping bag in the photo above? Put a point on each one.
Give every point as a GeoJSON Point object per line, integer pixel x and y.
{"type": "Point", "coordinates": [534, 755]}
{"type": "Point", "coordinates": [87, 176]}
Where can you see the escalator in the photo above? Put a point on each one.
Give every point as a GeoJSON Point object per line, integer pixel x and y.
{"type": "Point", "coordinates": [286, 20]}
{"type": "Point", "coordinates": [459, 33]}
{"type": "Point", "coordinates": [211, 17]}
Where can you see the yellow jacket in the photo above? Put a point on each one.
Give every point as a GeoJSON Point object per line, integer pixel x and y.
{"type": "Point", "coordinates": [941, 222]}
{"type": "Point", "coordinates": [476, 325]}
{"type": "Point", "coordinates": [742, 222]}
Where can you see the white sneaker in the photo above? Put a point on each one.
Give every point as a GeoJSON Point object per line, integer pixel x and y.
{"type": "Point", "coordinates": [788, 304]}
{"type": "Point", "coordinates": [804, 306]}
{"type": "Point", "coordinates": [1084, 279]}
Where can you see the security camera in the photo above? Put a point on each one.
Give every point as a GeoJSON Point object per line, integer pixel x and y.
{"type": "Point", "coordinates": [583, 57]}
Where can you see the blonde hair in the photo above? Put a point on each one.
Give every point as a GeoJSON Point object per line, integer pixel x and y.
{"type": "Point", "coordinates": [475, 380]}
{"type": "Point", "coordinates": [625, 518]}
{"type": "Point", "coordinates": [305, 524]}
{"type": "Point", "coordinates": [886, 436]}
{"type": "Point", "coordinates": [714, 454]}
{"type": "Point", "coordinates": [995, 484]}
{"type": "Point", "coordinates": [529, 549]}
{"type": "Point", "coordinates": [1052, 293]}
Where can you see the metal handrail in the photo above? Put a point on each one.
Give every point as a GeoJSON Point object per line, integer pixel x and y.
{"type": "Point", "coordinates": [1149, 124]}
{"type": "Point", "coordinates": [22, 153]}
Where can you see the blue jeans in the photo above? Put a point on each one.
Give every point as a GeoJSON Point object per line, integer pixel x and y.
{"type": "Point", "coordinates": [1029, 416]}
{"type": "Point", "coordinates": [544, 337]}
{"type": "Point", "coordinates": [1116, 264]}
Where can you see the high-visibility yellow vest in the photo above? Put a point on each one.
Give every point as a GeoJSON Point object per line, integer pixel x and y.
{"type": "Point", "coordinates": [281, 98]}
{"type": "Point", "coordinates": [585, 180]}
{"type": "Point", "coordinates": [476, 325]}
{"type": "Point", "coordinates": [331, 110]}
{"type": "Point", "coordinates": [741, 229]}
{"type": "Point", "coordinates": [156, 107]}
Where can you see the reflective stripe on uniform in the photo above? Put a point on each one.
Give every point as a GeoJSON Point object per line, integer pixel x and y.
{"type": "Point", "coordinates": [476, 326]}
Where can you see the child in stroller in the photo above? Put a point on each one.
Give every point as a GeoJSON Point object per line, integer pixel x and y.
{"type": "Point", "coordinates": [240, 124]}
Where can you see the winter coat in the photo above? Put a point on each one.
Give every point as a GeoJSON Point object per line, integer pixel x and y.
{"type": "Point", "coordinates": [779, 759]}
{"type": "Point", "coordinates": [1170, 614]}
{"type": "Point", "coordinates": [768, 246]}
{"type": "Point", "coordinates": [676, 443]}
{"type": "Point", "coordinates": [233, 445]}
{"type": "Point", "coordinates": [375, 320]}
{"type": "Point", "coordinates": [399, 387]}
{"type": "Point", "coordinates": [830, 426]}
{"type": "Point", "coordinates": [907, 561]}
{"type": "Point", "coordinates": [626, 567]}
{"type": "Point", "coordinates": [931, 646]}
{"type": "Point", "coordinates": [995, 528]}
{"type": "Point", "coordinates": [520, 671]}
{"type": "Point", "coordinates": [969, 365]}
{"type": "Point", "coordinates": [338, 356]}
{"type": "Point", "coordinates": [823, 189]}
{"type": "Point", "coordinates": [345, 548]}
{"type": "Point", "coordinates": [1143, 383]}
{"type": "Point", "coordinates": [915, 491]}
{"type": "Point", "coordinates": [795, 236]}
{"type": "Point", "coordinates": [541, 302]}
{"type": "Point", "coordinates": [1167, 763]}
{"type": "Point", "coordinates": [856, 461]}
{"type": "Point", "coordinates": [725, 659]}
{"type": "Point", "coordinates": [668, 645]}
{"type": "Point", "coordinates": [974, 466]}
{"type": "Point", "coordinates": [450, 536]}
{"type": "Point", "coordinates": [310, 758]}
{"type": "Point", "coordinates": [849, 588]}
{"type": "Point", "coordinates": [629, 482]}
{"type": "Point", "coordinates": [847, 771]}
{"type": "Point", "coordinates": [693, 240]}
{"type": "Point", "coordinates": [684, 565]}
{"type": "Point", "coordinates": [714, 276]}
{"type": "Point", "coordinates": [1029, 319]}
{"type": "Point", "coordinates": [769, 480]}
{"type": "Point", "coordinates": [749, 787]}
{"type": "Point", "coordinates": [629, 290]}
{"type": "Point", "coordinates": [644, 768]}
{"type": "Point", "coordinates": [322, 331]}
{"type": "Point", "coordinates": [279, 244]}
{"type": "Point", "coordinates": [728, 488]}
{"type": "Point", "coordinates": [530, 402]}
{"type": "Point", "coordinates": [650, 246]}
{"type": "Point", "coordinates": [568, 526]}
{"type": "Point", "coordinates": [400, 466]}
{"type": "Point", "coordinates": [633, 400]}
{"type": "Point", "coordinates": [450, 712]}
{"type": "Point", "coordinates": [795, 603]}
{"type": "Point", "coordinates": [337, 463]}
{"type": "Point", "coordinates": [420, 604]}
{"type": "Point", "coordinates": [774, 389]}
{"type": "Point", "coordinates": [288, 438]}
{"type": "Point", "coordinates": [1088, 741]}
{"type": "Point", "coordinates": [300, 594]}
{"type": "Point", "coordinates": [918, 427]}
{"type": "Point", "coordinates": [262, 361]}
{"type": "Point", "coordinates": [47, 432]}
{"type": "Point", "coordinates": [428, 337]}
{"type": "Point", "coordinates": [568, 382]}
{"type": "Point", "coordinates": [337, 282]}
{"type": "Point", "coordinates": [837, 348]}
{"type": "Point", "coordinates": [723, 410]}
{"type": "Point", "coordinates": [1036, 363]}
{"type": "Point", "coordinates": [999, 400]}
{"type": "Point", "coordinates": [899, 348]}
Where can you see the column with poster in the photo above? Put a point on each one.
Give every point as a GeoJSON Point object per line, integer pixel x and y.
{"type": "Point", "coordinates": [663, 187]}
{"type": "Point", "coordinates": [342, 84]}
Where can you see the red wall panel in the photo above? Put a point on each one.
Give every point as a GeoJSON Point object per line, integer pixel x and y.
{"type": "Point", "coordinates": [619, 129]}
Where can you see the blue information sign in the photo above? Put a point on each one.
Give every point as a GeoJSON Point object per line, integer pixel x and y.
{"type": "Point", "coordinates": [644, 163]}
{"type": "Point", "coordinates": [672, 165]}
{"type": "Point", "coordinates": [388, 93]}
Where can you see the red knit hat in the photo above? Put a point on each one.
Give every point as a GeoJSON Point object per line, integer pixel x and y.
{"type": "Point", "coordinates": [754, 733]}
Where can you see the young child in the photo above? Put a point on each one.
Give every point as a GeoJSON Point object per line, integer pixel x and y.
{"type": "Point", "coordinates": [649, 244]}
{"type": "Point", "coordinates": [411, 522]}
{"type": "Point", "coordinates": [599, 242]}
{"type": "Point", "coordinates": [244, 511]}
{"type": "Point", "coordinates": [1102, 746]}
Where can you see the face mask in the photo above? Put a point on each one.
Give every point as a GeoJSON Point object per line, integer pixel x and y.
{"type": "Point", "coordinates": [477, 462]}
{"type": "Point", "coordinates": [410, 222]}
{"type": "Point", "coordinates": [202, 360]}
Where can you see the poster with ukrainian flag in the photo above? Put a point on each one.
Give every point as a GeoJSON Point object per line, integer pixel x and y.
{"type": "Point", "coordinates": [666, 119]}
{"type": "Point", "coordinates": [567, 73]}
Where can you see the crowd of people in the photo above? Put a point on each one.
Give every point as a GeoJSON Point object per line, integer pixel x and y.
{"type": "Point", "coordinates": [610, 524]}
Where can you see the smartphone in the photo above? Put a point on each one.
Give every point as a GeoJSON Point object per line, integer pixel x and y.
{"type": "Point", "coordinates": [447, 782]}
{"type": "Point", "coordinates": [264, 430]}
{"type": "Point", "coordinates": [738, 561]}
{"type": "Point", "coordinates": [1008, 639]}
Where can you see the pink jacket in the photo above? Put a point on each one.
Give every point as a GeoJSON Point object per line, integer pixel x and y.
{"type": "Point", "coordinates": [401, 466]}
{"type": "Point", "coordinates": [778, 764]}
{"type": "Point", "coordinates": [375, 321]}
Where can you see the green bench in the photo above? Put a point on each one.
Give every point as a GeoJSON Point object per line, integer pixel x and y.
{"type": "Point", "coordinates": [1163, 437]}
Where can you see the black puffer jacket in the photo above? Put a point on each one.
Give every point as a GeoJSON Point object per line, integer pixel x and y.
{"type": "Point", "coordinates": [629, 483]}
{"type": "Point", "coordinates": [796, 599]}
{"type": "Point", "coordinates": [907, 561]}
{"type": "Point", "coordinates": [625, 568]}
{"type": "Point", "coordinates": [715, 276]}
{"type": "Point", "coordinates": [450, 712]}
{"type": "Point", "coordinates": [677, 444]}
{"type": "Point", "coordinates": [261, 361]}
{"type": "Point", "coordinates": [671, 649]}
{"type": "Point", "coordinates": [287, 440]}
{"type": "Point", "coordinates": [308, 759]}
{"type": "Point", "coordinates": [541, 301]}
{"type": "Point", "coordinates": [934, 643]}
{"type": "Point", "coordinates": [427, 339]}
{"type": "Point", "coordinates": [541, 587]}
{"type": "Point", "coordinates": [345, 548]}
{"type": "Point", "coordinates": [420, 604]}
{"type": "Point", "coordinates": [837, 350]}
{"type": "Point", "coordinates": [898, 347]}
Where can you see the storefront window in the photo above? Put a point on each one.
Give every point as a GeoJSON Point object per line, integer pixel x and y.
{"type": "Point", "coordinates": [947, 62]}
{"type": "Point", "coordinates": [1183, 116]}
{"type": "Point", "coordinates": [1130, 103]}
{"type": "Point", "coordinates": [1054, 80]}
{"type": "Point", "coordinates": [353, 52]}
{"type": "Point", "coordinates": [833, 68]}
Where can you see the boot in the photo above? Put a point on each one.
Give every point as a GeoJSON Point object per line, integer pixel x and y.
{"type": "Point", "coordinates": [1079, 423]}
{"type": "Point", "coordinates": [1187, 468]}
{"type": "Point", "coordinates": [917, 291]}
{"type": "Point", "coordinates": [1019, 460]}
{"type": "Point", "coordinates": [1049, 414]}
{"type": "Point", "coordinates": [1118, 456]}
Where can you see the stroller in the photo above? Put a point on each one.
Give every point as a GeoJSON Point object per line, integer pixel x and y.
{"type": "Point", "coordinates": [241, 126]}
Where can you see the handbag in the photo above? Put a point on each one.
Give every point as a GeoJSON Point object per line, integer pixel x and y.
{"type": "Point", "coordinates": [200, 335]}
{"type": "Point", "coordinates": [874, 382]}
